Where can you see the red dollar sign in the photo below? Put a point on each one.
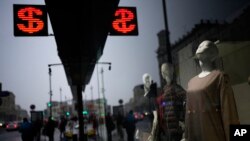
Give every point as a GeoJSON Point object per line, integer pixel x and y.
{"type": "Point", "coordinates": [34, 24]}
{"type": "Point", "coordinates": [121, 24]}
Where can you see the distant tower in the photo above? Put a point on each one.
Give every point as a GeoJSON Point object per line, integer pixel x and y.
{"type": "Point", "coordinates": [166, 31]}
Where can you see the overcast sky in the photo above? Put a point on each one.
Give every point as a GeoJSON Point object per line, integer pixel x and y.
{"type": "Point", "coordinates": [24, 60]}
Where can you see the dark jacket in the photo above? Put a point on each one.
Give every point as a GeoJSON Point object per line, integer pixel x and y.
{"type": "Point", "coordinates": [26, 131]}
{"type": "Point", "coordinates": [171, 108]}
{"type": "Point", "coordinates": [110, 123]}
{"type": "Point", "coordinates": [130, 122]}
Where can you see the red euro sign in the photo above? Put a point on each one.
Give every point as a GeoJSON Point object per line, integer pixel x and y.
{"type": "Point", "coordinates": [121, 24]}
{"type": "Point", "coordinates": [34, 24]}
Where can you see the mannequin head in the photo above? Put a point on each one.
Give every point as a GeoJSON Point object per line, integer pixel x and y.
{"type": "Point", "coordinates": [147, 80]}
{"type": "Point", "coordinates": [207, 52]}
{"type": "Point", "coordinates": [167, 72]}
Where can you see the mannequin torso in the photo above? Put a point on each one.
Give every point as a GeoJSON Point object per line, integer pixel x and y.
{"type": "Point", "coordinates": [150, 92]}
{"type": "Point", "coordinates": [210, 106]}
{"type": "Point", "coordinates": [171, 106]}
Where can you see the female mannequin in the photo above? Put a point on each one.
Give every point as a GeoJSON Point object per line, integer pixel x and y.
{"type": "Point", "coordinates": [210, 107]}
{"type": "Point", "coordinates": [151, 92]}
{"type": "Point", "coordinates": [171, 107]}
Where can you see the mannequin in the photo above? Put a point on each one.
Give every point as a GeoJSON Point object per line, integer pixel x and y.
{"type": "Point", "coordinates": [210, 107]}
{"type": "Point", "coordinates": [171, 105]}
{"type": "Point", "coordinates": [150, 92]}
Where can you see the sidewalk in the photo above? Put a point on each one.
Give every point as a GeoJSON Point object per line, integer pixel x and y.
{"type": "Point", "coordinates": [56, 136]}
{"type": "Point", "coordinates": [102, 135]}
{"type": "Point", "coordinates": [2, 130]}
{"type": "Point", "coordinates": [115, 136]}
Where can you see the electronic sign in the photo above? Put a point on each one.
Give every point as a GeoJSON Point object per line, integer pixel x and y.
{"type": "Point", "coordinates": [30, 20]}
{"type": "Point", "coordinates": [125, 22]}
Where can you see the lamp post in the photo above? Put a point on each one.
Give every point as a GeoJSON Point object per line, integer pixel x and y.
{"type": "Point", "coordinates": [50, 88]}
{"type": "Point", "coordinates": [98, 88]}
{"type": "Point", "coordinates": [60, 89]}
{"type": "Point", "coordinates": [50, 93]}
{"type": "Point", "coordinates": [103, 91]}
{"type": "Point", "coordinates": [92, 100]}
{"type": "Point", "coordinates": [168, 46]}
{"type": "Point", "coordinates": [103, 63]}
{"type": "Point", "coordinates": [91, 88]}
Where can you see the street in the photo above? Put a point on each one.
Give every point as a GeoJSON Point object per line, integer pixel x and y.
{"type": "Point", "coordinates": [16, 136]}
{"type": "Point", "coordinates": [10, 136]}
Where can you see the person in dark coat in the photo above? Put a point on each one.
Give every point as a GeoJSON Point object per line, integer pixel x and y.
{"type": "Point", "coordinates": [130, 125]}
{"type": "Point", "coordinates": [119, 125]}
{"type": "Point", "coordinates": [62, 126]}
{"type": "Point", "coordinates": [95, 124]}
{"type": "Point", "coordinates": [50, 128]}
{"type": "Point", "coordinates": [37, 126]}
{"type": "Point", "coordinates": [26, 130]}
{"type": "Point", "coordinates": [109, 125]}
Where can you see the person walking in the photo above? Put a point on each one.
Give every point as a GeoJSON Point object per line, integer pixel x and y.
{"type": "Point", "coordinates": [62, 126]}
{"type": "Point", "coordinates": [50, 128]}
{"type": "Point", "coordinates": [95, 125]}
{"type": "Point", "coordinates": [109, 125]}
{"type": "Point", "coordinates": [75, 128]}
{"type": "Point", "coordinates": [129, 124]}
{"type": "Point", "coordinates": [119, 125]}
{"type": "Point", "coordinates": [26, 130]}
{"type": "Point", "coordinates": [37, 126]}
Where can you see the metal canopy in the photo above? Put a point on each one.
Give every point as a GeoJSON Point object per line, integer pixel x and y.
{"type": "Point", "coordinates": [80, 29]}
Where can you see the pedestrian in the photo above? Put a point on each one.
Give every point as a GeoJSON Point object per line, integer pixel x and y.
{"type": "Point", "coordinates": [50, 128]}
{"type": "Point", "coordinates": [119, 125]}
{"type": "Point", "coordinates": [68, 134]}
{"type": "Point", "coordinates": [37, 126]}
{"type": "Point", "coordinates": [26, 130]}
{"type": "Point", "coordinates": [62, 126]}
{"type": "Point", "coordinates": [75, 128]}
{"type": "Point", "coordinates": [129, 124]}
{"type": "Point", "coordinates": [109, 125]}
{"type": "Point", "coordinates": [95, 125]}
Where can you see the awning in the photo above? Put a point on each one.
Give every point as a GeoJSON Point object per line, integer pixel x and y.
{"type": "Point", "coordinates": [80, 29]}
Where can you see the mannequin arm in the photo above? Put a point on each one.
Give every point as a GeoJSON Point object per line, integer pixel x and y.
{"type": "Point", "coordinates": [146, 90]}
{"type": "Point", "coordinates": [182, 125]}
{"type": "Point", "coordinates": [155, 122]}
{"type": "Point", "coordinates": [183, 137]}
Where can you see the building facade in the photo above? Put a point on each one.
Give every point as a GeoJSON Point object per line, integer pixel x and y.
{"type": "Point", "coordinates": [9, 111]}
{"type": "Point", "coordinates": [233, 42]}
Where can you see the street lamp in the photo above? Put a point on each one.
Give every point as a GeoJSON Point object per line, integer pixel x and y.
{"type": "Point", "coordinates": [103, 63]}
{"type": "Point", "coordinates": [103, 90]}
{"type": "Point", "coordinates": [50, 94]}
{"type": "Point", "coordinates": [50, 88]}
{"type": "Point", "coordinates": [98, 88]}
